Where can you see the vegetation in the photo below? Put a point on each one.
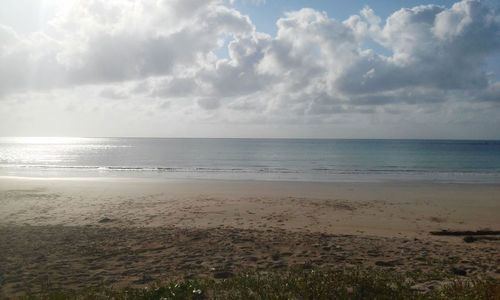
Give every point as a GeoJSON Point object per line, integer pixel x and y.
{"type": "Point", "coordinates": [298, 284]}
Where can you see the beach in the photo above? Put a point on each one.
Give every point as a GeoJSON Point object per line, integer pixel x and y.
{"type": "Point", "coordinates": [249, 149]}
{"type": "Point", "coordinates": [76, 233]}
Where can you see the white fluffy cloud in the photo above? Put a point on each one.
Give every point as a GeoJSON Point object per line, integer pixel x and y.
{"type": "Point", "coordinates": [170, 52]}
{"type": "Point", "coordinates": [108, 41]}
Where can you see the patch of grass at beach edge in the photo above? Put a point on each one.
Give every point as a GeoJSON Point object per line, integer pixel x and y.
{"type": "Point", "coordinates": [298, 284]}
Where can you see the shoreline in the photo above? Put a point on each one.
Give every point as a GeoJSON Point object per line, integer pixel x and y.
{"type": "Point", "coordinates": [159, 179]}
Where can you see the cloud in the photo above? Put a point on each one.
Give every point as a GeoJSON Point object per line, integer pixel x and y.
{"type": "Point", "coordinates": [317, 65]}
{"type": "Point", "coordinates": [209, 103]}
{"type": "Point", "coordinates": [314, 67]}
{"type": "Point", "coordinates": [254, 2]}
{"type": "Point", "coordinates": [432, 47]}
{"type": "Point", "coordinates": [112, 93]}
{"type": "Point", "coordinates": [111, 41]}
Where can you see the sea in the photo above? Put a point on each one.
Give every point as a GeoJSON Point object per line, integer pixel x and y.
{"type": "Point", "coordinates": [314, 160]}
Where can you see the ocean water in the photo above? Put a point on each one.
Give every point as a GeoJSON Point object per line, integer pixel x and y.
{"type": "Point", "coordinates": [253, 159]}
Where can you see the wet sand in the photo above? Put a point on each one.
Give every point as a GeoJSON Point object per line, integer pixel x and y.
{"type": "Point", "coordinates": [76, 233]}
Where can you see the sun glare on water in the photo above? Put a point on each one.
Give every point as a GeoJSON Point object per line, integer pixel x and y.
{"type": "Point", "coordinates": [45, 150]}
{"type": "Point", "coordinates": [45, 140]}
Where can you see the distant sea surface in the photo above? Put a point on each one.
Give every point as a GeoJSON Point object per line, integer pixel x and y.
{"type": "Point", "coordinates": [253, 159]}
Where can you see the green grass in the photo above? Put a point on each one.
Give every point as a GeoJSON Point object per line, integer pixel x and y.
{"type": "Point", "coordinates": [296, 284]}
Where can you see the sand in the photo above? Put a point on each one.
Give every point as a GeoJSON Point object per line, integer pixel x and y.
{"type": "Point", "coordinates": [78, 233]}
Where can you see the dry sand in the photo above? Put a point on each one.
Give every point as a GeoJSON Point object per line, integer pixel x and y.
{"type": "Point", "coordinates": [76, 233]}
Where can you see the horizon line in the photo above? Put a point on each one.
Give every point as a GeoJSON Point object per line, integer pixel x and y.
{"type": "Point", "coordinates": [248, 138]}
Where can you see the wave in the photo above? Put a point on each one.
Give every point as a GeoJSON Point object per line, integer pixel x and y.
{"type": "Point", "coordinates": [386, 170]}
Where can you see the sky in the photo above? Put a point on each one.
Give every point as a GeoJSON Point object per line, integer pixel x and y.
{"type": "Point", "coordinates": [250, 68]}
